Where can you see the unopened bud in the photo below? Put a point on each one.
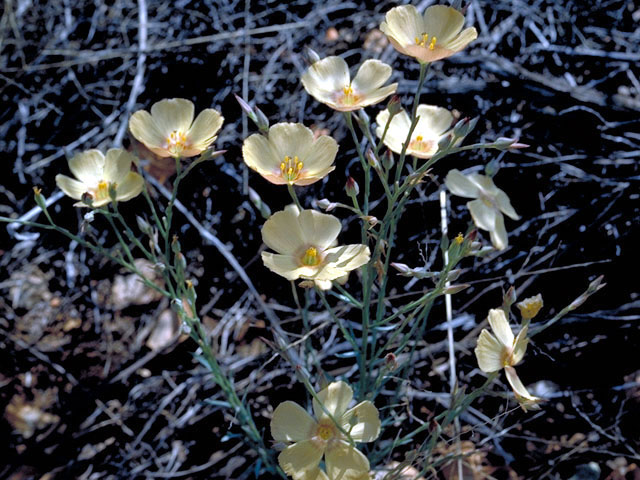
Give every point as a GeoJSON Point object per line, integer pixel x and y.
{"type": "Point", "coordinates": [491, 168]}
{"type": "Point", "coordinates": [505, 143]}
{"type": "Point", "coordinates": [351, 187]}
{"type": "Point", "coordinates": [453, 289]}
{"type": "Point", "coordinates": [326, 205]}
{"type": "Point", "coordinates": [246, 108]}
{"type": "Point", "coordinates": [87, 199]}
{"type": "Point", "coordinates": [509, 298]}
{"type": "Point", "coordinates": [371, 159]}
{"type": "Point", "coordinates": [181, 262]}
{"type": "Point", "coordinates": [401, 267]}
{"type": "Point", "coordinates": [39, 198]}
{"type": "Point", "coordinates": [262, 207]}
{"type": "Point", "coordinates": [529, 307]}
{"type": "Point", "coordinates": [462, 128]}
{"type": "Point", "coordinates": [175, 244]}
{"type": "Point", "coordinates": [143, 225]}
{"type": "Point", "coordinates": [261, 121]}
{"type": "Point", "coordinates": [444, 142]}
{"type": "Point", "coordinates": [390, 362]}
{"type": "Point", "coordinates": [311, 55]}
{"type": "Point", "coordinates": [394, 106]}
{"type": "Point", "coordinates": [363, 118]}
{"type": "Point", "coordinates": [371, 220]}
{"type": "Point", "coordinates": [388, 160]}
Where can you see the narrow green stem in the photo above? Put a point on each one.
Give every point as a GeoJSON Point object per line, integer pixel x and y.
{"type": "Point", "coordinates": [294, 197]}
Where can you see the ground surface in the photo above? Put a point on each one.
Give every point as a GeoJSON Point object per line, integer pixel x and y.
{"type": "Point", "coordinates": [87, 361]}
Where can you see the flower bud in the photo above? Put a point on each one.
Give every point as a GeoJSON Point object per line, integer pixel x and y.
{"type": "Point", "coordinates": [401, 267]}
{"type": "Point", "coordinates": [390, 362]}
{"type": "Point", "coordinates": [261, 121]}
{"type": "Point", "coordinates": [388, 160]}
{"type": "Point", "coordinates": [444, 142]}
{"type": "Point", "coordinates": [175, 244]}
{"type": "Point", "coordinates": [39, 198]}
{"type": "Point", "coordinates": [246, 108]}
{"type": "Point", "coordinates": [325, 204]}
{"type": "Point", "coordinates": [311, 55]}
{"type": "Point", "coordinates": [87, 199]}
{"type": "Point", "coordinates": [143, 225]}
{"type": "Point", "coordinates": [505, 143]}
{"type": "Point", "coordinates": [262, 207]}
{"type": "Point", "coordinates": [351, 187]}
{"type": "Point", "coordinates": [394, 106]}
{"type": "Point", "coordinates": [363, 118]}
{"type": "Point", "coordinates": [371, 220]}
{"type": "Point", "coordinates": [509, 298]}
{"type": "Point", "coordinates": [181, 262]}
{"type": "Point", "coordinates": [491, 168]}
{"type": "Point", "coordinates": [452, 289]}
{"type": "Point", "coordinates": [464, 127]}
{"type": "Point", "coordinates": [371, 159]}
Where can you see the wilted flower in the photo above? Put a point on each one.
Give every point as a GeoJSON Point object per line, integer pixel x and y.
{"type": "Point", "coordinates": [505, 351]}
{"type": "Point", "coordinates": [290, 155]}
{"type": "Point", "coordinates": [433, 36]}
{"type": "Point", "coordinates": [312, 438]}
{"type": "Point", "coordinates": [434, 123]}
{"type": "Point", "coordinates": [328, 81]}
{"type": "Point", "coordinates": [490, 204]}
{"type": "Point", "coordinates": [529, 307]}
{"type": "Point", "coordinates": [97, 174]}
{"type": "Point", "coordinates": [170, 131]}
{"type": "Point", "coordinates": [306, 245]}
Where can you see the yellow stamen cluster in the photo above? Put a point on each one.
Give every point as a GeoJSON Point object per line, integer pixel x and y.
{"type": "Point", "coordinates": [419, 144]}
{"type": "Point", "coordinates": [310, 257]}
{"type": "Point", "coordinates": [325, 432]}
{"type": "Point", "coordinates": [349, 97]}
{"type": "Point", "coordinates": [176, 141]}
{"type": "Point", "coordinates": [424, 41]}
{"type": "Point", "coordinates": [459, 239]}
{"type": "Point", "coordinates": [290, 168]}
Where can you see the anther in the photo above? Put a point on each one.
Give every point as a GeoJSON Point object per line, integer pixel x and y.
{"type": "Point", "coordinates": [432, 45]}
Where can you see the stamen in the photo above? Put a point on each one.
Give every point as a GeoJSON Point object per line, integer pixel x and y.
{"type": "Point", "coordinates": [349, 97]}
{"type": "Point", "coordinates": [325, 432]}
{"type": "Point", "coordinates": [348, 90]}
{"type": "Point", "coordinates": [290, 168]}
{"type": "Point", "coordinates": [419, 138]}
{"type": "Point", "coordinates": [432, 45]}
{"type": "Point", "coordinates": [176, 141]}
{"type": "Point", "coordinates": [310, 258]}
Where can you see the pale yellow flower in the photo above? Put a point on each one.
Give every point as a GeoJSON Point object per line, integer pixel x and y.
{"type": "Point", "coordinates": [503, 350]}
{"type": "Point", "coordinates": [290, 155]}
{"type": "Point", "coordinates": [170, 131]}
{"type": "Point", "coordinates": [433, 36]}
{"type": "Point", "coordinates": [328, 81]}
{"type": "Point", "coordinates": [490, 204]}
{"type": "Point", "coordinates": [318, 474]}
{"type": "Point", "coordinates": [433, 124]}
{"type": "Point", "coordinates": [96, 173]}
{"type": "Point", "coordinates": [529, 307]}
{"type": "Point", "coordinates": [305, 242]}
{"type": "Point", "coordinates": [312, 438]}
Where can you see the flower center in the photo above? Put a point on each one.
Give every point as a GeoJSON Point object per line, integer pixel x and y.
{"type": "Point", "coordinates": [325, 432]}
{"type": "Point", "coordinates": [290, 168]}
{"type": "Point", "coordinates": [419, 144]}
{"type": "Point", "coordinates": [506, 357]}
{"type": "Point", "coordinates": [311, 257]}
{"type": "Point", "coordinates": [101, 191]}
{"type": "Point", "coordinates": [349, 97]}
{"type": "Point", "coordinates": [176, 141]}
{"type": "Point", "coordinates": [423, 41]}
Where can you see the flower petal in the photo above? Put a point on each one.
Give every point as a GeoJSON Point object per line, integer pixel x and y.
{"type": "Point", "coordinates": [403, 24]}
{"type": "Point", "coordinates": [459, 184]}
{"type": "Point", "coordinates": [291, 423]}
{"type": "Point", "coordinates": [484, 216]}
{"type": "Point", "coordinates": [71, 187]}
{"type": "Point", "coordinates": [489, 352]}
{"type": "Point", "coordinates": [520, 345]}
{"type": "Point", "coordinates": [286, 266]}
{"type": "Point", "coordinates": [319, 229]}
{"type": "Point", "coordinates": [290, 139]}
{"type": "Point", "coordinates": [465, 37]}
{"type": "Point", "coordinates": [130, 187]}
{"type": "Point", "coordinates": [343, 259]}
{"type": "Point", "coordinates": [117, 165]}
{"type": "Point", "coordinates": [259, 155]}
{"type": "Point", "coordinates": [301, 456]}
{"type": "Point", "coordinates": [434, 121]}
{"type": "Point", "coordinates": [282, 233]}
{"type": "Point", "coordinates": [345, 462]}
{"type": "Point", "coordinates": [500, 326]}
{"type": "Point", "coordinates": [174, 114]}
{"type": "Point", "coordinates": [371, 75]}
{"type": "Point", "coordinates": [397, 131]}
{"type": "Point", "coordinates": [367, 422]}
{"type": "Point", "coordinates": [204, 129]}
{"type": "Point", "coordinates": [320, 156]}
{"type": "Point", "coordinates": [326, 77]}
{"type": "Point", "coordinates": [499, 236]}
{"type": "Point", "coordinates": [376, 96]}
{"type": "Point", "coordinates": [335, 397]}
{"type": "Point", "coordinates": [88, 166]}
{"type": "Point", "coordinates": [524, 398]}
{"type": "Point", "coordinates": [504, 204]}
{"type": "Point", "coordinates": [314, 474]}
{"type": "Point", "coordinates": [144, 128]}
{"type": "Point", "coordinates": [442, 22]}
